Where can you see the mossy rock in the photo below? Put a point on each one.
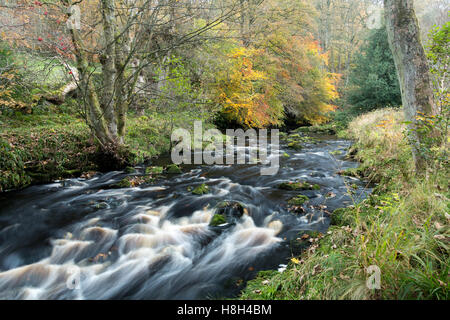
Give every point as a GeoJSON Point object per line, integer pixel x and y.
{"type": "Point", "coordinates": [285, 155]}
{"type": "Point", "coordinates": [351, 172]}
{"type": "Point", "coordinates": [201, 190]}
{"type": "Point", "coordinates": [294, 136]}
{"type": "Point", "coordinates": [233, 209]}
{"type": "Point", "coordinates": [336, 152]}
{"type": "Point", "coordinates": [154, 170]}
{"type": "Point", "coordinates": [298, 185]}
{"type": "Point", "coordinates": [130, 170]}
{"type": "Point", "coordinates": [124, 183]}
{"type": "Point", "coordinates": [302, 129]}
{"type": "Point", "coordinates": [173, 169]}
{"type": "Point", "coordinates": [217, 220]}
{"type": "Point", "coordinates": [132, 181]}
{"type": "Point", "coordinates": [295, 145]}
{"type": "Point", "coordinates": [298, 200]}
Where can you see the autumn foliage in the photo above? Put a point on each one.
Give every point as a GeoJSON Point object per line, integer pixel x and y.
{"type": "Point", "coordinates": [258, 87]}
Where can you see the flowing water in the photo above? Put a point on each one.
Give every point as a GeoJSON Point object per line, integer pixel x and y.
{"type": "Point", "coordinates": [81, 239]}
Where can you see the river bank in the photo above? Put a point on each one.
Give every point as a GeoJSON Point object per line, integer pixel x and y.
{"type": "Point", "coordinates": [56, 144]}
{"type": "Point", "coordinates": [401, 230]}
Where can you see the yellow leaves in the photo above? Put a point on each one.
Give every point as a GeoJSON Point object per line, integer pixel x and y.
{"type": "Point", "coordinates": [241, 90]}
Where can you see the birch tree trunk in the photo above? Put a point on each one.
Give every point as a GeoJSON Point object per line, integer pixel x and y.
{"type": "Point", "coordinates": [412, 69]}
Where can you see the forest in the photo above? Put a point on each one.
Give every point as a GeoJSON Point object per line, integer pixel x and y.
{"type": "Point", "coordinates": [354, 94]}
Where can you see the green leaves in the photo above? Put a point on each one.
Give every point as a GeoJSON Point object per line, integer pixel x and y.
{"type": "Point", "coordinates": [373, 80]}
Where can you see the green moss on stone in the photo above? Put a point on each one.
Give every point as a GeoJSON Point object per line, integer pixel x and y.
{"type": "Point", "coordinates": [201, 189]}
{"type": "Point", "coordinates": [173, 169]}
{"type": "Point", "coordinates": [218, 220]}
{"type": "Point", "coordinates": [298, 200]}
{"type": "Point", "coordinates": [154, 170]}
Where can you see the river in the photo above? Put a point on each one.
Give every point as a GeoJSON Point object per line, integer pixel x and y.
{"type": "Point", "coordinates": [81, 239]}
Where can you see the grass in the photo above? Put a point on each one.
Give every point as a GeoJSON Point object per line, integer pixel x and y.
{"type": "Point", "coordinates": [402, 229]}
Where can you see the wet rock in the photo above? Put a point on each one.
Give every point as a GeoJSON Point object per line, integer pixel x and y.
{"type": "Point", "coordinates": [88, 174]}
{"type": "Point", "coordinates": [124, 183]}
{"type": "Point", "coordinates": [227, 214]}
{"type": "Point", "coordinates": [294, 136]}
{"type": "Point", "coordinates": [71, 183]}
{"type": "Point", "coordinates": [295, 145]}
{"type": "Point", "coordinates": [233, 209]}
{"type": "Point", "coordinates": [201, 190]}
{"type": "Point", "coordinates": [154, 170]}
{"type": "Point", "coordinates": [218, 220]}
{"type": "Point", "coordinates": [351, 172]}
{"type": "Point", "coordinates": [336, 152]}
{"type": "Point", "coordinates": [324, 129]}
{"type": "Point", "coordinates": [173, 169]}
{"type": "Point", "coordinates": [298, 185]}
{"type": "Point", "coordinates": [298, 200]}
{"type": "Point", "coordinates": [131, 181]}
{"type": "Point", "coordinates": [130, 170]}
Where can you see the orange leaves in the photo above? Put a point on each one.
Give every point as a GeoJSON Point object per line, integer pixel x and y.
{"type": "Point", "coordinates": [241, 92]}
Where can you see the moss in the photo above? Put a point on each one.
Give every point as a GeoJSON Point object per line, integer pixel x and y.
{"type": "Point", "coordinates": [295, 145]}
{"type": "Point", "coordinates": [336, 152]}
{"type": "Point", "coordinates": [154, 170]}
{"type": "Point", "coordinates": [285, 155]}
{"type": "Point", "coordinates": [217, 220]}
{"type": "Point", "coordinates": [298, 200]}
{"type": "Point", "coordinates": [351, 172]}
{"type": "Point", "coordinates": [329, 128]}
{"type": "Point", "coordinates": [173, 169]}
{"type": "Point", "coordinates": [399, 228]}
{"type": "Point", "coordinates": [124, 183]}
{"type": "Point", "coordinates": [297, 185]}
{"type": "Point", "coordinates": [201, 189]}
{"type": "Point", "coordinates": [130, 170]}
{"type": "Point", "coordinates": [42, 154]}
{"type": "Point", "coordinates": [234, 209]}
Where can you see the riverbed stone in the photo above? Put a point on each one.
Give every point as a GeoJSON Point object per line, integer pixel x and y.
{"type": "Point", "coordinates": [231, 208]}
{"type": "Point", "coordinates": [298, 185]}
{"type": "Point", "coordinates": [298, 200]}
{"type": "Point", "coordinates": [130, 170]}
{"type": "Point", "coordinates": [217, 220]}
{"type": "Point", "coordinates": [173, 169]}
{"type": "Point", "coordinates": [201, 190]}
{"type": "Point", "coordinates": [154, 170]}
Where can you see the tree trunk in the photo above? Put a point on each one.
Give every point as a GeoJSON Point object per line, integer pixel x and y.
{"type": "Point", "coordinates": [412, 69]}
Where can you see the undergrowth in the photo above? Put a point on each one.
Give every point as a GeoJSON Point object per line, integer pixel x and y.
{"type": "Point", "coordinates": [401, 229]}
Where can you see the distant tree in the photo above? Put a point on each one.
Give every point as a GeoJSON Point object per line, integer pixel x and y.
{"type": "Point", "coordinates": [374, 82]}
